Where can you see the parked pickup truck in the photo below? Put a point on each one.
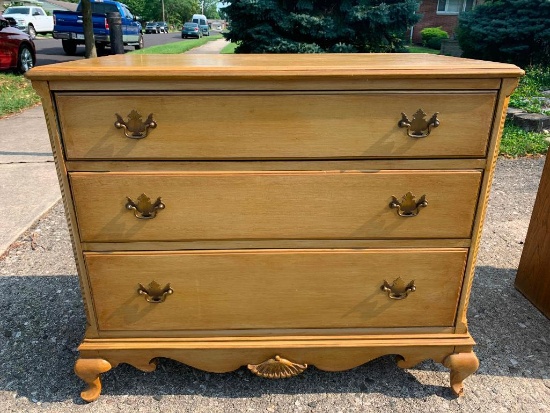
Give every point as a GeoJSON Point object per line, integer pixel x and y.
{"type": "Point", "coordinates": [30, 19]}
{"type": "Point", "coordinates": [68, 26]}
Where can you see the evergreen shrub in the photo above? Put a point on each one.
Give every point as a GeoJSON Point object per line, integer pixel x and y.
{"type": "Point", "coordinates": [509, 31]}
{"type": "Point", "coordinates": [432, 36]}
{"type": "Point", "coordinates": [320, 26]}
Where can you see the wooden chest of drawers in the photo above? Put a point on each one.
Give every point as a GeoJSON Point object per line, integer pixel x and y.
{"type": "Point", "coordinates": [275, 211]}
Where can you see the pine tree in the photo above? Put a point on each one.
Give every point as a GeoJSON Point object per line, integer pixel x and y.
{"type": "Point", "coordinates": [514, 31]}
{"type": "Point", "coordinates": [307, 26]}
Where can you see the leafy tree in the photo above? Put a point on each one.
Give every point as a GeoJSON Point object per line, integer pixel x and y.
{"type": "Point", "coordinates": [308, 26]}
{"type": "Point", "coordinates": [514, 31]}
{"type": "Point", "coordinates": [175, 11]}
{"type": "Point", "coordinates": [210, 8]}
{"type": "Point", "coordinates": [137, 7]}
{"type": "Point", "coordinates": [180, 11]}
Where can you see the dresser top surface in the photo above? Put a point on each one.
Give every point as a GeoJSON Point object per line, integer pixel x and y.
{"type": "Point", "coordinates": [368, 66]}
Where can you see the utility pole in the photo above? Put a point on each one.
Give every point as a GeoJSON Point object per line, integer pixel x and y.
{"type": "Point", "coordinates": [163, 17]}
{"type": "Point", "coordinates": [202, 7]}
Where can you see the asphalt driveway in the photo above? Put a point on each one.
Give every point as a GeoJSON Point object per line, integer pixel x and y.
{"type": "Point", "coordinates": [43, 321]}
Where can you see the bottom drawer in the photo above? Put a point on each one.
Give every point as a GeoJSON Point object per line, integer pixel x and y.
{"type": "Point", "coordinates": [282, 289]}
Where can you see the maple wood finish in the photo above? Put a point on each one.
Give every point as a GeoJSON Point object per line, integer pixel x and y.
{"type": "Point", "coordinates": [533, 277]}
{"type": "Point", "coordinates": [326, 212]}
{"type": "Point", "coordinates": [299, 205]}
{"type": "Point", "coordinates": [461, 366]}
{"type": "Point", "coordinates": [323, 289]}
{"type": "Point", "coordinates": [276, 125]}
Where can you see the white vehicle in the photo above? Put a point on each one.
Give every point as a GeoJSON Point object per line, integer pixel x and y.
{"type": "Point", "coordinates": [201, 20]}
{"type": "Point", "coordinates": [30, 19]}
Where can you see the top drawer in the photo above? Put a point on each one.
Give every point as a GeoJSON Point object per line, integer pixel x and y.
{"type": "Point", "coordinates": [282, 125]}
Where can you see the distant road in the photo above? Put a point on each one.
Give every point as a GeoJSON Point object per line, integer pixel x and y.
{"type": "Point", "coordinates": [49, 51]}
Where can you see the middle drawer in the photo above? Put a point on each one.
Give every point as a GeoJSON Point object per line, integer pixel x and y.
{"type": "Point", "coordinates": [275, 205]}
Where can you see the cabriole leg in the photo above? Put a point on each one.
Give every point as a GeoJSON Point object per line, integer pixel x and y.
{"type": "Point", "coordinates": [89, 371]}
{"type": "Point", "coordinates": [462, 365]}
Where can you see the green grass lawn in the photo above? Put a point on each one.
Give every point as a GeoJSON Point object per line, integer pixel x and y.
{"type": "Point", "coordinates": [16, 94]}
{"type": "Point", "coordinates": [528, 96]}
{"type": "Point", "coordinates": [420, 49]}
{"type": "Point", "coordinates": [229, 49]}
{"type": "Point", "coordinates": [517, 142]}
{"type": "Point", "coordinates": [177, 47]}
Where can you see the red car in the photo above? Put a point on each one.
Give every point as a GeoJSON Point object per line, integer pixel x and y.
{"type": "Point", "coordinates": [17, 50]}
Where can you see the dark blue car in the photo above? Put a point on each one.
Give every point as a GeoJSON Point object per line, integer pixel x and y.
{"type": "Point", "coordinates": [68, 26]}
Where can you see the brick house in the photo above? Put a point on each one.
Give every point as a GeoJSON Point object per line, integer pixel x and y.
{"type": "Point", "coordinates": [441, 13]}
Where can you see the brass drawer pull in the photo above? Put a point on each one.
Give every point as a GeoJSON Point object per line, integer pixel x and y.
{"type": "Point", "coordinates": [135, 128]}
{"type": "Point", "coordinates": [144, 209]}
{"type": "Point", "coordinates": [153, 293]}
{"type": "Point", "coordinates": [418, 127]}
{"type": "Point", "coordinates": [408, 207]}
{"type": "Point", "coordinates": [398, 290]}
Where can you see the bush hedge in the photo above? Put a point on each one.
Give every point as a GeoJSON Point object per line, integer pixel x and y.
{"type": "Point", "coordinates": [432, 36]}
{"type": "Point", "coordinates": [320, 26]}
{"type": "Point", "coordinates": [510, 31]}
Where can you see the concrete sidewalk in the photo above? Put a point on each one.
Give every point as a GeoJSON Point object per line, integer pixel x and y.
{"type": "Point", "coordinates": [29, 185]}
{"type": "Point", "coordinates": [213, 47]}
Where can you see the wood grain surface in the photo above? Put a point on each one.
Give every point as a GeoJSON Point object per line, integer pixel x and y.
{"type": "Point", "coordinates": [274, 205]}
{"type": "Point", "coordinates": [276, 289]}
{"type": "Point", "coordinates": [326, 65]}
{"type": "Point", "coordinates": [277, 173]}
{"type": "Point", "coordinates": [533, 277]}
{"type": "Point", "coordinates": [275, 125]}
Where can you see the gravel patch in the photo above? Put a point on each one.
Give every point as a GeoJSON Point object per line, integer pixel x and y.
{"type": "Point", "coordinates": [43, 321]}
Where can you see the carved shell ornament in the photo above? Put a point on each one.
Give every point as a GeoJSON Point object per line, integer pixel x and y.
{"type": "Point", "coordinates": [277, 368]}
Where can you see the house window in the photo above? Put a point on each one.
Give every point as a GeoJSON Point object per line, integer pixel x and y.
{"type": "Point", "coordinates": [454, 6]}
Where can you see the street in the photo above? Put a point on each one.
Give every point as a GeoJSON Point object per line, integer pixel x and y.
{"type": "Point", "coordinates": [49, 50]}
